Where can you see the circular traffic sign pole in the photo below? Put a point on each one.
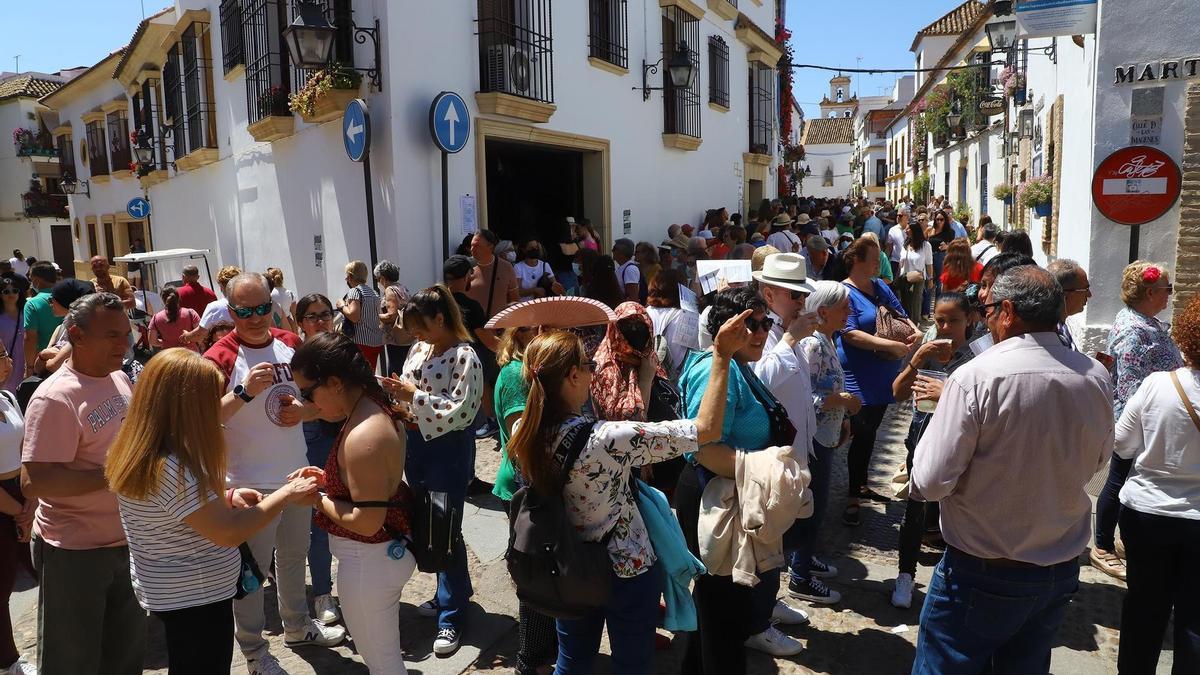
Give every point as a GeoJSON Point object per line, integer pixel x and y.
{"type": "Point", "coordinates": [356, 138]}
{"type": "Point", "coordinates": [450, 127]}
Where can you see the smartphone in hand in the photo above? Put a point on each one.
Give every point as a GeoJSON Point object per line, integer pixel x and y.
{"type": "Point", "coordinates": [1106, 359]}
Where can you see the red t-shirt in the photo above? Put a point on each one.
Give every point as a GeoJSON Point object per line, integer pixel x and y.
{"type": "Point", "coordinates": [951, 282]}
{"type": "Point", "coordinates": [195, 297]}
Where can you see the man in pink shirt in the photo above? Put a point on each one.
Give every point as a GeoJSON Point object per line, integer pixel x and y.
{"type": "Point", "coordinates": [88, 618]}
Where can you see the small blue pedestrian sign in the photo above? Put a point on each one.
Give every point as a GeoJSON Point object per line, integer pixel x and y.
{"type": "Point", "coordinates": [356, 130]}
{"type": "Point", "coordinates": [449, 122]}
{"type": "Point", "coordinates": [137, 208]}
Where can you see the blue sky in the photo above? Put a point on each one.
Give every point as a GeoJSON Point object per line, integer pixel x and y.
{"type": "Point", "coordinates": [65, 33]}
{"type": "Point", "coordinates": [837, 32]}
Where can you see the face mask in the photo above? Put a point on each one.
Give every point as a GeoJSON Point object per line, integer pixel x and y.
{"type": "Point", "coordinates": [576, 268]}
{"type": "Point", "coordinates": [533, 255]}
{"type": "Point", "coordinates": [510, 256]}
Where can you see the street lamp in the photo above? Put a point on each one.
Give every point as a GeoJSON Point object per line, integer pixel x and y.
{"type": "Point", "coordinates": [71, 186]}
{"type": "Point", "coordinates": [680, 69]}
{"type": "Point", "coordinates": [1001, 34]}
{"type": "Point", "coordinates": [143, 150]}
{"type": "Point", "coordinates": [310, 37]}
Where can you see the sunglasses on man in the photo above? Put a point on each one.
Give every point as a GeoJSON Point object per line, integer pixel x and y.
{"type": "Point", "coordinates": [246, 312]}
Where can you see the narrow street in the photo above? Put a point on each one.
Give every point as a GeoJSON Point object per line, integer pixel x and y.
{"type": "Point", "coordinates": [862, 634]}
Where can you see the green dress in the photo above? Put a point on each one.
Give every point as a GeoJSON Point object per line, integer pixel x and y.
{"type": "Point", "coordinates": [511, 392]}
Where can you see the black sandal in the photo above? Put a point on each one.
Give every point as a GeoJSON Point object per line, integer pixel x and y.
{"type": "Point", "coordinates": [868, 493]}
{"type": "Point", "coordinates": [850, 516]}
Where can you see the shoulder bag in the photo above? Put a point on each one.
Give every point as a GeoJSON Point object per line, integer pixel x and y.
{"type": "Point", "coordinates": [888, 324]}
{"type": "Point", "coordinates": [783, 432]}
{"type": "Point", "coordinates": [1187, 405]}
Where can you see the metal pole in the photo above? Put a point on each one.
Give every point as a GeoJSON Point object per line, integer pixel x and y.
{"type": "Point", "coordinates": [1134, 231]}
{"type": "Point", "coordinates": [445, 205]}
{"type": "Point", "coordinates": [370, 210]}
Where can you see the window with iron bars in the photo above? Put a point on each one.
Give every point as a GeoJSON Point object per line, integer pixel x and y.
{"type": "Point", "coordinates": [118, 139]}
{"type": "Point", "coordinates": [681, 105]}
{"type": "Point", "coordinates": [97, 149]}
{"type": "Point", "coordinates": [762, 108]}
{"type": "Point", "coordinates": [232, 51]}
{"type": "Point", "coordinates": [147, 120]}
{"type": "Point", "coordinates": [609, 34]}
{"type": "Point", "coordinates": [268, 73]}
{"type": "Point", "coordinates": [66, 155]}
{"type": "Point", "coordinates": [516, 54]}
{"type": "Point", "coordinates": [197, 87]}
{"type": "Point", "coordinates": [718, 71]}
{"type": "Point", "coordinates": [340, 15]}
{"type": "Point", "coordinates": [173, 122]}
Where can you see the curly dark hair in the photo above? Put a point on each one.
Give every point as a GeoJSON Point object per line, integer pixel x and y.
{"type": "Point", "coordinates": [731, 302]}
{"type": "Point", "coordinates": [1186, 331]}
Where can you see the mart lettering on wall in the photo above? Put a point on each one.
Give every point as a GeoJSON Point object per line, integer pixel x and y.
{"type": "Point", "coordinates": [1187, 68]}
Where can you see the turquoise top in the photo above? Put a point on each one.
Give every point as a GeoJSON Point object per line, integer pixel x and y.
{"type": "Point", "coordinates": [752, 430]}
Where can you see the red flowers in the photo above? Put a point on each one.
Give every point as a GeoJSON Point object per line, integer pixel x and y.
{"type": "Point", "coordinates": [1151, 275]}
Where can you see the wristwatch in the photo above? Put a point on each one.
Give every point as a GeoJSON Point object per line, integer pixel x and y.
{"type": "Point", "coordinates": [241, 393]}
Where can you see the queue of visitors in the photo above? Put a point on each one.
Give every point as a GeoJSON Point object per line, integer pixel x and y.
{"type": "Point", "coordinates": [668, 436]}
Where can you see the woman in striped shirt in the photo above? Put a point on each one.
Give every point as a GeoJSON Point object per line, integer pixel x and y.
{"type": "Point", "coordinates": [360, 309]}
{"type": "Point", "coordinates": [167, 467]}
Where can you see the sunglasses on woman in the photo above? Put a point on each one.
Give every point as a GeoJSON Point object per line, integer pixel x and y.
{"type": "Point", "coordinates": [306, 394]}
{"type": "Point", "coordinates": [246, 312]}
{"type": "Point", "coordinates": [764, 324]}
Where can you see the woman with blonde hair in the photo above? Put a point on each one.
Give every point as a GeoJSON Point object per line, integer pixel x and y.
{"type": "Point", "coordinates": [167, 468]}
{"type": "Point", "coordinates": [360, 312]}
{"type": "Point", "coordinates": [441, 387]}
{"type": "Point", "coordinates": [1139, 344]}
{"type": "Point", "coordinates": [597, 491]}
{"type": "Point", "coordinates": [283, 299]}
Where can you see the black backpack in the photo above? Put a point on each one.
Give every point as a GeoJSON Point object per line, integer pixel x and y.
{"type": "Point", "coordinates": [555, 572]}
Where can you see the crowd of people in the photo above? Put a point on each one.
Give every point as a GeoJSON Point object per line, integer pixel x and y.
{"type": "Point", "coordinates": [175, 465]}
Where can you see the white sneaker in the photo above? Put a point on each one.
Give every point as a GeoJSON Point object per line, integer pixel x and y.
{"type": "Point", "coordinates": [446, 642]}
{"type": "Point", "coordinates": [902, 595]}
{"type": "Point", "coordinates": [326, 609]}
{"type": "Point", "coordinates": [21, 667]}
{"type": "Point", "coordinates": [788, 615]}
{"type": "Point", "coordinates": [265, 665]}
{"type": "Point", "coordinates": [315, 634]}
{"type": "Point", "coordinates": [775, 643]}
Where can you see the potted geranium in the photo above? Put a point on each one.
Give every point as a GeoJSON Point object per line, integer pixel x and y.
{"type": "Point", "coordinates": [1003, 191]}
{"type": "Point", "coordinates": [1036, 194]}
{"type": "Point", "coordinates": [326, 93]}
{"type": "Point", "coordinates": [273, 102]}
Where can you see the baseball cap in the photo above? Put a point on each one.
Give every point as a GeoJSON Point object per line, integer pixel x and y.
{"type": "Point", "coordinates": [69, 290]}
{"type": "Point", "coordinates": [687, 229]}
{"type": "Point", "coordinates": [456, 267]}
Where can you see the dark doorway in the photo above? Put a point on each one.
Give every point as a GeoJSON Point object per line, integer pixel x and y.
{"type": "Point", "coordinates": [531, 189]}
{"type": "Point", "coordinates": [64, 251]}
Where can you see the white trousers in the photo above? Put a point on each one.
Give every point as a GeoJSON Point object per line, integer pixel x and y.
{"type": "Point", "coordinates": [369, 585]}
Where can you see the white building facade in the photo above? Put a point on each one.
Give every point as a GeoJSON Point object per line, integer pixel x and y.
{"type": "Point", "coordinates": [560, 126]}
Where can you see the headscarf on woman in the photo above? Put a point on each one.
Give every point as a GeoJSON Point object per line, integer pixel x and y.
{"type": "Point", "coordinates": [615, 390]}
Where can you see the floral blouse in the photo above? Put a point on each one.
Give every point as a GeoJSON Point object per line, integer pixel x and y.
{"type": "Point", "coordinates": [449, 388]}
{"type": "Point", "coordinates": [825, 371]}
{"type": "Point", "coordinates": [1139, 345]}
{"type": "Point", "coordinates": [597, 493]}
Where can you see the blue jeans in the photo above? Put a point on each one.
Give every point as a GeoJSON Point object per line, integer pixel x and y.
{"type": "Point", "coordinates": [800, 541]}
{"type": "Point", "coordinates": [939, 257]}
{"type": "Point", "coordinates": [980, 617]}
{"type": "Point", "coordinates": [631, 615]}
{"type": "Point", "coordinates": [567, 278]}
{"type": "Point", "coordinates": [443, 464]}
{"type": "Point", "coordinates": [319, 436]}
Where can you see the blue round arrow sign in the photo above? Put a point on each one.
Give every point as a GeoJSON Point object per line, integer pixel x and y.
{"type": "Point", "coordinates": [449, 122]}
{"type": "Point", "coordinates": [137, 208]}
{"type": "Point", "coordinates": [356, 130]}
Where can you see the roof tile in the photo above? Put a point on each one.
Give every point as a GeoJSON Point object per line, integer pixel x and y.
{"type": "Point", "coordinates": [27, 86]}
{"type": "Point", "coordinates": [828, 130]}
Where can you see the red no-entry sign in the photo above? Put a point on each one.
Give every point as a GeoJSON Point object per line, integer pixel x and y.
{"type": "Point", "coordinates": [1136, 185]}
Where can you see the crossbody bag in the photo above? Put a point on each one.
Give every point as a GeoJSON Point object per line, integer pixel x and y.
{"type": "Point", "coordinates": [1187, 404]}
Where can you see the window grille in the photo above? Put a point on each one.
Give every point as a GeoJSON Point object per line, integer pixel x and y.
{"type": "Point", "coordinates": [197, 87]}
{"type": "Point", "coordinates": [609, 34]}
{"type": "Point", "coordinates": [718, 71]}
{"type": "Point", "coordinates": [232, 52]}
{"type": "Point", "coordinates": [516, 54]}
{"type": "Point", "coordinates": [66, 155]}
{"type": "Point", "coordinates": [267, 71]}
{"type": "Point", "coordinates": [762, 108]}
{"type": "Point", "coordinates": [118, 139]}
{"type": "Point", "coordinates": [681, 105]}
{"type": "Point", "coordinates": [97, 149]}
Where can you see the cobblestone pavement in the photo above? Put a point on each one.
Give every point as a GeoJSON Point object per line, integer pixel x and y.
{"type": "Point", "coordinates": [862, 634]}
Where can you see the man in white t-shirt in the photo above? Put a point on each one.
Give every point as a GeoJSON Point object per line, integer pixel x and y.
{"type": "Point", "coordinates": [781, 236]}
{"type": "Point", "coordinates": [261, 411]}
{"type": "Point", "coordinates": [629, 276]}
{"type": "Point", "coordinates": [18, 263]}
{"type": "Point", "coordinates": [985, 249]}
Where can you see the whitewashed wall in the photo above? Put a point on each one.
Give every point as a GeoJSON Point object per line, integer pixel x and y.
{"type": "Point", "coordinates": [17, 231]}
{"type": "Point", "coordinates": [835, 156]}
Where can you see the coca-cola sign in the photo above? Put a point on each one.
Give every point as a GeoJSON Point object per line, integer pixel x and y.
{"type": "Point", "coordinates": [992, 106]}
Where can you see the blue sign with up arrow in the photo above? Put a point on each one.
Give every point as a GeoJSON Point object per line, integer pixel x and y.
{"type": "Point", "coordinates": [449, 122]}
{"type": "Point", "coordinates": [356, 130]}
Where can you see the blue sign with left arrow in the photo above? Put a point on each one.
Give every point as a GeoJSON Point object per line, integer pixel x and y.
{"type": "Point", "coordinates": [449, 122]}
{"type": "Point", "coordinates": [137, 208]}
{"type": "Point", "coordinates": [356, 130]}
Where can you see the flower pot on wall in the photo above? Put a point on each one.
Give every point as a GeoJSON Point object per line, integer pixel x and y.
{"type": "Point", "coordinates": [1019, 96]}
{"type": "Point", "coordinates": [1043, 210]}
{"type": "Point", "coordinates": [330, 105]}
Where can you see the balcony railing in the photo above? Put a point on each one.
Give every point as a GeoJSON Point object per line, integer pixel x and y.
{"type": "Point", "coordinates": [29, 151]}
{"type": "Point", "coordinates": [42, 205]}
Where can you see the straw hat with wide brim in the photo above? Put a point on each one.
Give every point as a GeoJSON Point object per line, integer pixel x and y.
{"type": "Point", "coordinates": [556, 312]}
{"type": "Point", "coordinates": [786, 270]}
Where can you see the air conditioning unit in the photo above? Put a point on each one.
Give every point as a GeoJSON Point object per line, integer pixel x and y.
{"type": "Point", "coordinates": [511, 69]}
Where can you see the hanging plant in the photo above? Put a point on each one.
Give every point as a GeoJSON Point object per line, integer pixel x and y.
{"type": "Point", "coordinates": [963, 213]}
{"type": "Point", "coordinates": [1002, 191]}
{"type": "Point", "coordinates": [783, 38]}
{"type": "Point", "coordinates": [22, 137]}
{"type": "Point", "coordinates": [336, 76]}
{"type": "Point", "coordinates": [1035, 192]}
{"type": "Point", "coordinates": [920, 188]}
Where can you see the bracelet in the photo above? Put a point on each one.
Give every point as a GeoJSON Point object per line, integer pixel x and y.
{"type": "Point", "coordinates": [229, 496]}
